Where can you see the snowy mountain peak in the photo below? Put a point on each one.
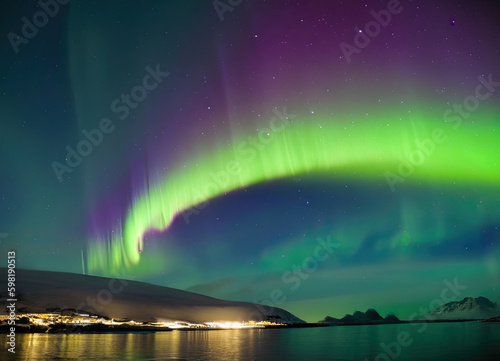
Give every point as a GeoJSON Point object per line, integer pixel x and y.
{"type": "Point", "coordinates": [469, 307]}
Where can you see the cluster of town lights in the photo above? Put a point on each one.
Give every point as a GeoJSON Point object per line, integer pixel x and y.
{"type": "Point", "coordinates": [85, 319]}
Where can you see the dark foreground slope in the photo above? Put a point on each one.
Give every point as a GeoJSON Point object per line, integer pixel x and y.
{"type": "Point", "coordinates": [43, 291]}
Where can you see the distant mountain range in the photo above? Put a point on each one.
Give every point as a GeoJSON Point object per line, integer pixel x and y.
{"type": "Point", "coordinates": [468, 308]}
{"type": "Point", "coordinates": [44, 291]}
{"type": "Point", "coordinates": [360, 318]}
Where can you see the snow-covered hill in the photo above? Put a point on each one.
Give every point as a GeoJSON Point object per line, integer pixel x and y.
{"type": "Point", "coordinates": [42, 291]}
{"type": "Point", "coordinates": [468, 308]}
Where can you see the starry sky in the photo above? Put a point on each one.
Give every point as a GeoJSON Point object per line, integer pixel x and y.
{"type": "Point", "coordinates": [340, 154]}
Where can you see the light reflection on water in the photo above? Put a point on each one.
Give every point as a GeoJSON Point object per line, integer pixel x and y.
{"type": "Point", "coordinates": [454, 341]}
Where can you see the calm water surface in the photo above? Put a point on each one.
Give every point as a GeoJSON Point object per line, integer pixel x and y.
{"type": "Point", "coordinates": [445, 341]}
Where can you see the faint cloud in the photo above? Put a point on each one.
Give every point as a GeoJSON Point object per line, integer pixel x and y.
{"type": "Point", "coordinates": [212, 287]}
{"type": "Point", "coordinates": [248, 290]}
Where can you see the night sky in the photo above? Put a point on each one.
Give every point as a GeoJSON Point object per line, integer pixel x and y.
{"type": "Point", "coordinates": [213, 148]}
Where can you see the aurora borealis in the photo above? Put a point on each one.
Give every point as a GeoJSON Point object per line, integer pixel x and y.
{"type": "Point", "coordinates": [366, 151]}
{"type": "Point", "coordinates": [262, 139]}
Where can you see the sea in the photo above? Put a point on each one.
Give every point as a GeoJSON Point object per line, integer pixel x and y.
{"type": "Point", "coordinates": [429, 341]}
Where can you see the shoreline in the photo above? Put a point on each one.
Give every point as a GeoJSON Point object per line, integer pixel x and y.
{"type": "Point", "coordinates": [102, 328]}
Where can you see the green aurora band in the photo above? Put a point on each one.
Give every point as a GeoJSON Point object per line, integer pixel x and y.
{"type": "Point", "coordinates": [461, 150]}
